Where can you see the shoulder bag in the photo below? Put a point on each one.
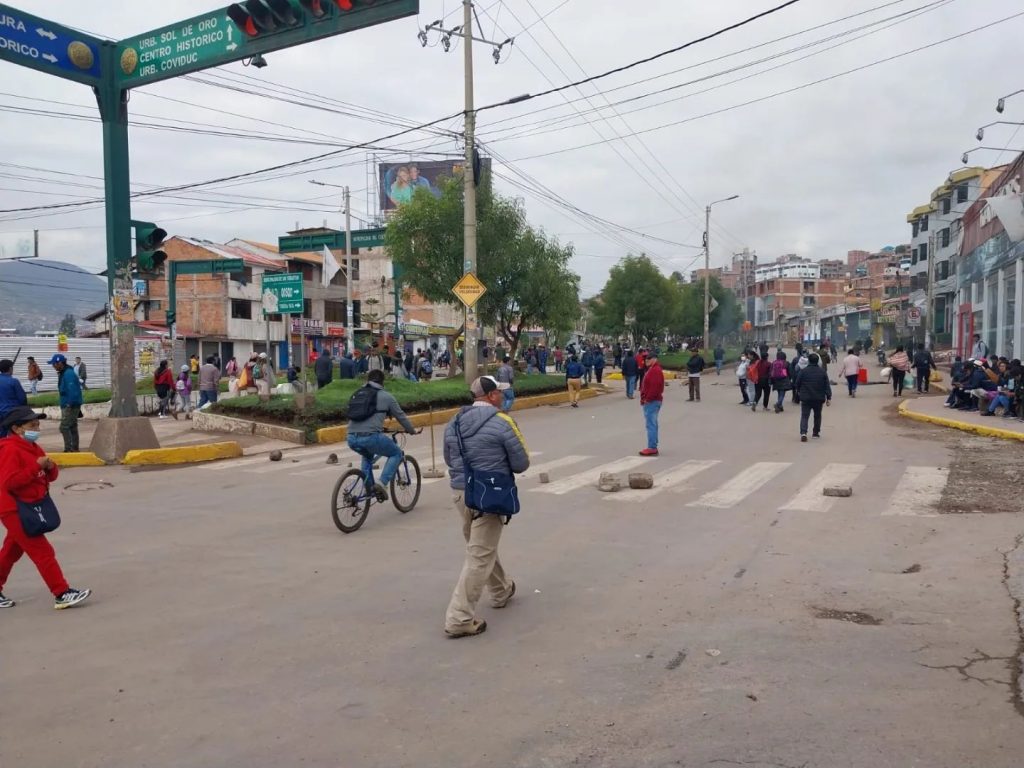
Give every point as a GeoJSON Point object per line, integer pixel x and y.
{"type": "Point", "coordinates": [38, 517]}
{"type": "Point", "coordinates": [488, 492]}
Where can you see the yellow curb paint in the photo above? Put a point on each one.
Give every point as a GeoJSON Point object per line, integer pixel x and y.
{"type": "Point", "coordinates": [80, 459]}
{"type": "Point", "coordinates": [964, 426]}
{"type": "Point", "coordinates": [184, 454]}
{"type": "Point", "coordinates": [339, 433]}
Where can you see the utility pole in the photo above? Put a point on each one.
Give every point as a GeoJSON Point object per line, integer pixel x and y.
{"type": "Point", "coordinates": [349, 330]}
{"type": "Point", "coordinates": [930, 300]}
{"type": "Point", "coordinates": [707, 278]}
{"type": "Point", "coordinates": [469, 192]}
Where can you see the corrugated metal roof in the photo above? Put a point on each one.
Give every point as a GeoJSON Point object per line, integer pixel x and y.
{"type": "Point", "coordinates": [232, 252]}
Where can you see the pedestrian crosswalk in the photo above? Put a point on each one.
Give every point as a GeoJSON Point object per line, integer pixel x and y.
{"type": "Point", "coordinates": [712, 484]}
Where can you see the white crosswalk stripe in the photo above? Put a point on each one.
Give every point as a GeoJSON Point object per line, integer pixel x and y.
{"type": "Point", "coordinates": [742, 485]}
{"type": "Point", "coordinates": [564, 461]}
{"type": "Point", "coordinates": [918, 492]}
{"type": "Point", "coordinates": [589, 476]}
{"type": "Point", "coordinates": [674, 478]}
{"type": "Point", "coordinates": [811, 498]}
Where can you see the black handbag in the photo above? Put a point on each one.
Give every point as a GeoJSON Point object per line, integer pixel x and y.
{"type": "Point", "coordinates": [488, 492]}
{"type": "Point", "coordinates": [38, 517]}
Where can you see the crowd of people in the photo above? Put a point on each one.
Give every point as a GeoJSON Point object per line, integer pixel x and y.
{"type": "Point", "coordinates": [988, 384]}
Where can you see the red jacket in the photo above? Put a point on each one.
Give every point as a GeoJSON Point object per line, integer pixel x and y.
{"type": "Point", "coordinates": [20, 473]}
{"type": "Point", "coordinates": [652, 387]}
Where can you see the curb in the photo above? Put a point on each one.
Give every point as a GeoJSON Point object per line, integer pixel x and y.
{"type": "Point", "coordinates": [963, 426]}
{"type": "Point", "coordinates": [339, 433]}
{"type": "Point", "coordinates": [184, 454]}
{"type": "Point", "coordinates": [78, 459]}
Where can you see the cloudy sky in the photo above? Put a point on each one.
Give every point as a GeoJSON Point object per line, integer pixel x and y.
{"type": "Point", "coordinates": [625, 164]}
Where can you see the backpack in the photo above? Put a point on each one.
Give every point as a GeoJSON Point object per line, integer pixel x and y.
{"type": "Point", "coordinates": [257, 371]}
{"type": "Point", "coordinates": [780, 370]}
{"type": "Point", "coordinates": [426, 367]}
{"type": "Point", "coordinates": [363, 403]}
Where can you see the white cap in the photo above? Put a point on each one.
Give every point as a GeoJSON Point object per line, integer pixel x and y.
{"type": "Point", "coordinates": [263, 355]}
{"type": "Point", "coordinates": [184, 367]}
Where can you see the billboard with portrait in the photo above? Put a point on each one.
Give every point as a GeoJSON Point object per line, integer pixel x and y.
{"type": "Point", "coordinates": [398, 181]}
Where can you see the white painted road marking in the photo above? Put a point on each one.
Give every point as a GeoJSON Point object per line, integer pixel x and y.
{"type": "Point", "coordinates": [565, 461]}
{"type": "Point", "coordinates": [741, 486]}
{"type": "Point", "coordinates": [589, 476]}
{"type": "Point", "coordinates": [918, 492]}
{"type": "Point", "coordinates": [665, 480]}
{"type": "Point", "coordinates": [811, 498]}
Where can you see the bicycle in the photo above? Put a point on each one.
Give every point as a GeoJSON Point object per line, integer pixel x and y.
{"type": "Point", "coordinates": [353, 493]}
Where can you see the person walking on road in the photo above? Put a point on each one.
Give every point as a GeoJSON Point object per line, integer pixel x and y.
{"type": "Point", "coordinates": [899, 365]}
{"type": "Point", "coordinates": [629, 373]}
{"type": "Point", "coordinates": [559, 359]}
{"type": "Point", "coordinates": [814, 391]}
{"type": "Point", "coordinates": [81, 371]}
{"type": "Point", "coordinates": [753, 372]}
{"type": "Point", "coordinates": [574, 373]}
{"type": "Point", "coordinates": [780, 380]}
{"type": "Point", "coordinates": [598, 360]}
{"type": "Point", "coordinates": [763, 382]}
{"type": "Point", "coordinates": [694, 366]}
{"type": "Point", "coordinates": [163, 385]}
{"type": "Point", "coordinates": [588, 365]}
{"type": "Point", "coordinates": [924, 364]}
{"type": "Point", "coordinates": [483, 438]}
{"type": "Point", "coordinates": [35, 374]}
{"type": "Point", "coordinates": [209, 379]}
{"type": "Point", "coordinates": [183, 387]}
{"type": "Point", "coordinates": [12, 394]}
{"type": "Point", "coordinates": [851, 370]}
{"type": "Point", "coordinates": [70, 394]}
{"type": "Point", "coordinates": [741, 377]}
{"type": "Point", "coordinates": [719, 358]}
{"type": "Point", "coordinates": [25, 476]}
{"type": "Point", "coordinates": [652, 391]}
{"type": "Point", "coordinates": [506, 374]}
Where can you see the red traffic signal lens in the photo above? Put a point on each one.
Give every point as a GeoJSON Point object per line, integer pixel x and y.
{"type": "Point", "coordinates": [345, 5]}
{"type": "Point", "coordinates": [242, 18]}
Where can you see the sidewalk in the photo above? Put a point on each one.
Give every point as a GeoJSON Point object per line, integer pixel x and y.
{"type": "Point", "coordinates": [930, 409]}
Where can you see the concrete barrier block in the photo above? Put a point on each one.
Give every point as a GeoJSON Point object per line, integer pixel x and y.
{"type": "Point", "coordinates": [609, 482]}
{"type": "Point", "coordinates": [278, 432]}
{"type": "Point", "coordinates": [841, 491]}
{"type": "Point", "coordinates": [641, 480]}
{"type": "Point", "coordinates": [215, 422]}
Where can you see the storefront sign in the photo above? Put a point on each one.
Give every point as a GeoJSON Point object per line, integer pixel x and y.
{"type": "Point", "coordinates": [334, 329]}
{"type": "Point", "coordinates": [309, 326]}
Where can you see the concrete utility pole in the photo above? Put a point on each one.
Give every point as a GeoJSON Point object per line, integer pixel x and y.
{"type": "Point", "coordinates": [929, 322]}
{"type": "Point", "coordinates": [349, 330]}
{"type": "Point", "coordinates": [469, 192]}
{"type": "Point", "coordinates": [707, 269]}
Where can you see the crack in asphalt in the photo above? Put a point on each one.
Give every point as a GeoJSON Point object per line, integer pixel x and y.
{"type": "Point", "coordinates": [964, 669]}
{"type": "Point", "coordinates": [1016, 663]}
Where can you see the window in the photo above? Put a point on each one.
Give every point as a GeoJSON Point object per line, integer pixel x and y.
{"type": "Point", "coordinates": [334, 311]}
{"type": "Point", "coordinates": [942, 270]}
{"type": "Point", "coordinates": [307, 308]}
{"type": "Point", "coordinates": [924, 223]}
{"type": "Point", "coordinates": [961, 193]}
{"type": "Point", "coordinates": [808, 287]}
{"type": "Point", "coordinates": [944, 235]}
{"type": "Point", "coordinates": [808, 301]}
{"type": "Point", "coordinates": [947, 203]}
{"type": "Point", "coordinates": [241, 309]}
{"type": "Point", "coordinates": [922, 252]}
{"type": "Point", "coordinates": [915, 228]}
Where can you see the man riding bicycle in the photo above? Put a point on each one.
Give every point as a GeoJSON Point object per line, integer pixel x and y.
{"type": "Point", "coordinates": [367, 409]}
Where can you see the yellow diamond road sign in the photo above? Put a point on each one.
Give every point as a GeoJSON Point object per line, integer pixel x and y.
{"type": "Point", "coordinates": [469, 289]}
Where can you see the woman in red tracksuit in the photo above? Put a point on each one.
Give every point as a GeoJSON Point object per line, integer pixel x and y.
{"type": "Point", "coordinates": [25, 474]}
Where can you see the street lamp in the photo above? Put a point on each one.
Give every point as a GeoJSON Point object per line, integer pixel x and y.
{"type": "Point", "coordinates": [1001, 104]}
{"type": "Point", "coordinates": [707, 268]}
{"type": "Point", "coordinates": [981, 131]}
{"type": "Point", "coordinates": [963, 157]}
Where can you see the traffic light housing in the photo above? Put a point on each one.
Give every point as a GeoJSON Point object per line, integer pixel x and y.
{"type": "Point", "coordinates": [260, 17]}
{"type": "Point", "coordinates": [149, 241]}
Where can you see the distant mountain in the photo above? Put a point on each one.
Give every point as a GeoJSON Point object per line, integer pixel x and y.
{"type": "Point", "coordinates": [35, 294]}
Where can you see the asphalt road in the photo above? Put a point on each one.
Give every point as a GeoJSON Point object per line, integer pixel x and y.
{"type": "Point", "coordinates": [731, 616]}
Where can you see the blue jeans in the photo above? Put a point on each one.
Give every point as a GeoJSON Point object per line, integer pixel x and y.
{"type": "Point", "coordinates": [718, 366]}
{"type": "Point", "coordinates": [630, 386]}
{"type": "Point", "coordinates": [651, 411]}
{"type": "Point", "coordinates": [851, 383]}
{"type": "Point", "coordinates": [207, 396]}
{"type": "Point", "coordinates": [377, 445]}
{"type": "Point", "coordinates": [509, 398]}
{"type": "Point", "coordinates": [1000, 399]}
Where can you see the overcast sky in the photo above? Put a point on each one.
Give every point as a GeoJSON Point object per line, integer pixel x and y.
{"type": "Point", "coordinates": [828, 168]}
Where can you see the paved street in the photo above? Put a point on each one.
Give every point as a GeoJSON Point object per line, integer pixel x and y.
{"type": "Point", "coordinates": [730, 616]}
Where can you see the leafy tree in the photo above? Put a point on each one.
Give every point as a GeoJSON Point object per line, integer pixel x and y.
{"type": "Point", "coordinates": [689, 318]}
{"type": "Point", "coordinates": [68, 326]}
{"type": "Point", "coordinates": [636, 287]}
{"type": "Point", "coordinates": [529, 283]}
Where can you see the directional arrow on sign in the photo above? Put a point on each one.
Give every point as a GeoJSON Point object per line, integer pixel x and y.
{"type": "Point", "coordinates": [50, 58]}
{"type": "Point", "coordinates": [232, 46]}
{"type": "Point", "coordinates": [45, 33]}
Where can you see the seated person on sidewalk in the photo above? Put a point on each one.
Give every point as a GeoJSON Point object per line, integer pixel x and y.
{"type": "Point", "coordinates": [958, 374]}
{"type": "Point", "coordinates": [1003, 394]}
{"type": "Point", "coordinates": [966, 399]}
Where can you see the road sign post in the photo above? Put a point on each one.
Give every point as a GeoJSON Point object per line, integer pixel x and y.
{"type": "Point", "coordinates": [469, 289]}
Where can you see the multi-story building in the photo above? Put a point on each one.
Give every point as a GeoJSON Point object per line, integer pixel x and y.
{"type": "Point", "coordinates": [834, 269]}
{"type": "Point", "coordinates": [787, 295]}
{"type": "Point", "coordinates": [853, 258]}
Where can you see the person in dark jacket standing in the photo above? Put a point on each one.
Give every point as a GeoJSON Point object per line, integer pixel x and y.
{"type": "Point", "coordinates": [70, 392]}
{"type": "Point", "coordinates": [652, 392]}
{"type": "Point", "coordinates": [346, 366]}
{"type": "Point", "coordinates": [814, 391]}
{"type": "Point", "coordinates": [12, 394]}
{"type": "Point", "coordinates": [924, 364]}
{"type": "Point", "coordinates": [324, 369]}
{"type": "Point", "coordinates": [694, 367]}
{"type": "Point", "coordinates": [719, 358]}
{"type": "Point", "coordinates": [629, 373]}
{"type": "Point", "coordinates": [492, 443]}
{"type": "Point", "coordinates": [574, 373]}
{"type": "Point", "coordinates": [597, 358]}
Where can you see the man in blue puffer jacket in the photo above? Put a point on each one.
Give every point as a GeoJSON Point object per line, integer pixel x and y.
{"type": "Point", "coordinates": [493, 443]}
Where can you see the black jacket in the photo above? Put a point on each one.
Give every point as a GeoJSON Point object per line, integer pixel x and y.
{"type": "Point", "coordinates": [629, 366]}
{"type": "Point", "coordinates": [695, 364]}
{"type": "Point", "coordinates": [324, 368]}
{"type": "Point", "coordinates": [923, 359]}
{"type": "Point", "coordinates": [812, 385]}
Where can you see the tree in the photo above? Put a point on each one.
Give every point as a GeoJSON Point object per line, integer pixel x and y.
{"type": "Point", "coordinates": [529, 283]}
{"type": "Point", "coordinates": [636, 288]}
{"type": "Point", "coordinates": [68, 325]}
{"type": "Point", "coordinates": [689, 318]}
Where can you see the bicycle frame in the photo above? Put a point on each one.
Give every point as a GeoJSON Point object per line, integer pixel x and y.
{"type": "Point", "coordinates": [370, 480]}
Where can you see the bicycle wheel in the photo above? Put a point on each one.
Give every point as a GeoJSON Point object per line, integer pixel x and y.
{"type": "Point", "coordinates": [350, 502]}
{"type": "Point", "coordinates": [405, 485]}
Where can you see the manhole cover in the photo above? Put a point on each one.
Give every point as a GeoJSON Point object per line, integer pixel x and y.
{"type": "Point", "coordinates": [96, 485]}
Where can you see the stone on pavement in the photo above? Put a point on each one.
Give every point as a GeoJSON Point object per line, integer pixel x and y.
{"type": "Point", "coordinates": [609, 482]}
{"type": "Point", "coordinates": [641, 480]}
{"type": "Point", "coordinates": [838, 490]}
{"type": "Point", "coordinates": [544, 477]}
{"type": "Point", "coordinates": [276, 455]}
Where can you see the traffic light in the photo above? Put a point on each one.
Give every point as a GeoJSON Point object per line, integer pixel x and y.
{"type": "Point", "coordinates": [258, 17]}
{"type": "Point", "coordinates": [149, 241]}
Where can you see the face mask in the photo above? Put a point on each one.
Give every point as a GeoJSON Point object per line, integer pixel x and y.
{"type": "Point", "coordinates": [30, 435]}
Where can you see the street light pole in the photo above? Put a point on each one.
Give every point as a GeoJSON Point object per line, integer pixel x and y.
{"type": "Point", "coordinates": [469, 193]}
{"type": "Point", "coordinates": [707, 269]}
{"type": "Point", "coordinates": [349, 330]}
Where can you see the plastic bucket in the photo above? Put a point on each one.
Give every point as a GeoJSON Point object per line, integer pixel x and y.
{"type": "Point", "coordinates": [862, 376]}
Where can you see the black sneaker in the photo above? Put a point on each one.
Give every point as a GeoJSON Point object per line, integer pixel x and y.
{"type": "Point", "coordinates": [816, 436]}
{"type": "Point", "coordinates": [71, 597]}
{"type": "Point", "coordinates": [380, 492]}
{"type": "Point", "coordinates": [5, 602]}
{"type": "Point", "coordinates": [803, 438]}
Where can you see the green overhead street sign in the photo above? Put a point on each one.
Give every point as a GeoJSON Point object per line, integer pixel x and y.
{"type": "Point", "coordinates": [282, 293]}
{"type": "Point", "coordinates": [361, 238]}
{"type": "Point", "coordinates": [213, 38]}
{"type": "Point", "coordinates": [208, 266]}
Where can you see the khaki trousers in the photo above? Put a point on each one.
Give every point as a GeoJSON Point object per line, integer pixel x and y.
{"type": "Point", "coordinates": [481, 568]}
{"type": "Point", "coordinates": [574, 389]}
